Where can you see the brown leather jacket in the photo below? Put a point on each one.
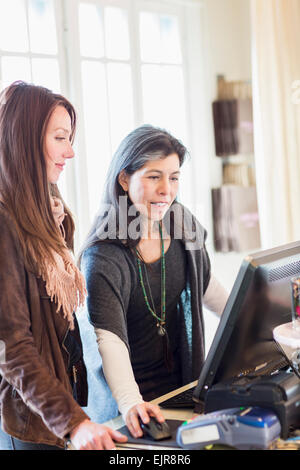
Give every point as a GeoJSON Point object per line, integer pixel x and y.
{"type": "Point", "coordinates": [36, 398]}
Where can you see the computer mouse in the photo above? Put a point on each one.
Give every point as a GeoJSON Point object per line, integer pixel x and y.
{"type": "Point", "coordinates": [155, 430]}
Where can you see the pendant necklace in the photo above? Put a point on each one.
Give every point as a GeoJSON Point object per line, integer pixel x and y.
{"type": "Point", "coordinates": [161, 320]}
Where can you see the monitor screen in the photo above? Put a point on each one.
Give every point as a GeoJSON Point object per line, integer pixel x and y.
{"type": "Point", "coordinates": [259, 301]}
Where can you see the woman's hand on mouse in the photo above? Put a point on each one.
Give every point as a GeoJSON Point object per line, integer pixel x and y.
{"type": "Point", "coordinates": [143, 411]}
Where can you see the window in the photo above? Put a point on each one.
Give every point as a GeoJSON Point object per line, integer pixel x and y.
{"type": "Point", "coordinates": [29, 46]}
{"type": "Point", "coordinates": [28, 43]}
{"type": "Point", "coordinates": [126, 79]}
{"type": "Point", "coordinates": [120, 62]}
{"type": "Point", "coordinates": [107, 92]}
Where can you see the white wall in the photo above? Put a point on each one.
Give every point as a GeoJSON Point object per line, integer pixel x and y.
{"type": "Point", "coordinates": [227, 39]}
{"type": "Point", "coordinates": [227, 51]}
{"type": "Point", "coordinates": [228, 28]}
{"type": "Point", "coordinates": [218, 43]}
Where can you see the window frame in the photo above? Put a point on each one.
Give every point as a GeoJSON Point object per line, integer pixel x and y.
{"type": "Point", "coordinates": [80, 198]}
{"type": "Point", "coordinates": [60, 55]}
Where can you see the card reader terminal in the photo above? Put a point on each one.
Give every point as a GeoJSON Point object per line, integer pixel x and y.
{"type": "Point", "coordinates": [241, 428]}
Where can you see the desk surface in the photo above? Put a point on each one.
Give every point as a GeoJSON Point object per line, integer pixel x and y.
{"type": "Point", "coordinates": [178, 414]}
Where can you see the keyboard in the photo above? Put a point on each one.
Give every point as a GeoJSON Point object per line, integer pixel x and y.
{"type": "Point", "coordinates": [182, 400]}
{"type": "Point", "coordinates": [185, 399]}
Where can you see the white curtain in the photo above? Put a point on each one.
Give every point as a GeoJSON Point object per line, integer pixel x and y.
{"type": "Point", "coordinates": [276, 98]}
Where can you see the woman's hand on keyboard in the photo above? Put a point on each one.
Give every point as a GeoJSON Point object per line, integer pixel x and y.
{"type": "Point", "coordinates": [143, 411]}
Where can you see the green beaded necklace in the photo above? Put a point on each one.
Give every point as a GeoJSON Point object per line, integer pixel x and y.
{"type": "Point", "coordinates": [161, 321]}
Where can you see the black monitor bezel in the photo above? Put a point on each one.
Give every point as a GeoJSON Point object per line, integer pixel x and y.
{"type": "Point", "coordinates": [231, 311]}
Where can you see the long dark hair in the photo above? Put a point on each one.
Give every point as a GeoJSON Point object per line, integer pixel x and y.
{"type": "Point", "coordinates": [25, 111]}
{"type": "Point", "coordinates": [140, 146]}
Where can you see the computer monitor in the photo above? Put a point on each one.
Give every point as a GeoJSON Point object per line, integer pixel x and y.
{"type": "Point", "coordinates": [259, 301]}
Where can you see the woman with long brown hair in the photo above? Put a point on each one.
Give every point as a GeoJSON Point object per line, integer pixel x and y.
{"type": "Point", "coordinates": [42, 373]}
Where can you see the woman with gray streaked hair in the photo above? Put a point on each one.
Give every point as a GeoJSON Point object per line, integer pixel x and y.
{"type": "Point", "coordinates": [147, 273]}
